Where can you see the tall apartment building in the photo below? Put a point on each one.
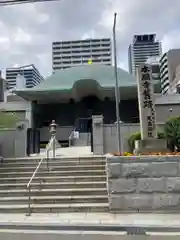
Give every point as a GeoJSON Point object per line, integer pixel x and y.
{"type": "Point", "coordinates": [74, 53]}
{"type": "Point", "coordinates": [168, 67]}
{"type": "Point", "coordinates": [29, 72]}
{"type": "Point", "coordinates": [143, 47]}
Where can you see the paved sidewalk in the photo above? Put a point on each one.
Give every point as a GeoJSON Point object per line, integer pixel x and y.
{"type": "Point", "coordinates": [68, 152]}
{"type": "Point", "coordinates": [158, 220]}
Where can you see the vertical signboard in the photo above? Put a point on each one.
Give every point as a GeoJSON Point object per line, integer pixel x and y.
{"type": "Point", "coordinates": [146, 102]}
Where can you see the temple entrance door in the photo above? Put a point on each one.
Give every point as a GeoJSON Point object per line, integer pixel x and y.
{"type": "Point", "coordinates": [90, 130]}
{"type": "Point", "coordinates": [33, 141]}
{"type": "Point", "coordinates": [84, 125]}
{"type": "Point", "coordinates": [91, 106]}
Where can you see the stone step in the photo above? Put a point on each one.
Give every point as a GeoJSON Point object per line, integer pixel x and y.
{"type": "Point", "coordinates": [54, 173]}
{"type": "Point", "coordinates": [62, 185]}
{"type": "Point", "coordinates": [52, 163]}
{"type": "Point", "coordinates": [57, 159]}
{"type": "Point", "coordinates": [55, 208]}
{"type": "Point", "coordinates": [57, 168]}
{"type": "Point", "coordinates": [54, 179]}
{"type": "Point", "coordinates": [53, 192]}
{"type": "Point", "coordinates": [55, 199]}
{"type": "Point", "coordinates": [80, 143]}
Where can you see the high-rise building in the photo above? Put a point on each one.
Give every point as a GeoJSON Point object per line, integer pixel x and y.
{"type": "Point", "coordinates": [29, 72]}
{"type": "Point", "coordinates": [3, 87]}
{"type": "Point", "coordinates": [74, 53]}
{"type": "Point", "coordinates": [154, 62]}
{"type": "Point", "coordinates": [174, 86]}
{"type": "Point", "coordinates": [168, 67]}
{"type": "Point", "coordinates": [143, 47]}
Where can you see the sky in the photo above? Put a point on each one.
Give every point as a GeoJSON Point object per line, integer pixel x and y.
{"type": "Point", "coordinates": [28, 30]}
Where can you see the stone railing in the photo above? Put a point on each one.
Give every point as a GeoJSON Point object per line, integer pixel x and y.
{"type": "Point", "coordinates": [141, 184]}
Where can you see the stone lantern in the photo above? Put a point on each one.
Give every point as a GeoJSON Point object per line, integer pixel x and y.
{"type": "Point", "coordinates": [53, 127]}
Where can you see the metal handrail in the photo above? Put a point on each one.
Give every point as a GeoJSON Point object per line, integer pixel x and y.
{"type": "Point", "coordinates": [50, 145]}
{"type": "Point", "coordinates": [70, 138]}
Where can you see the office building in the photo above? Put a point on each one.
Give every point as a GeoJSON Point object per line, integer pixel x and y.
{"type": "Point", "coordinates": [174, 86]}
{"type": "Point", "coordinates": [75, 53]}
{"type": "Point", "coordinates": [143, 47]}
{"type": "Point", "coordinates": [3, 87]}
{"type": "Point", "coordinates": [168, 70]}
{"type": "Point", "coordinates": [29, 73]}
{"type": "Point", "coordinates": [154, 62]}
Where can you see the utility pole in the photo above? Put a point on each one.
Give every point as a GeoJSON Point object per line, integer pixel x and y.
{"type": "Point", "coordinates": [15, 2]}
{"type": "Point", "coordinates": [117, 94]}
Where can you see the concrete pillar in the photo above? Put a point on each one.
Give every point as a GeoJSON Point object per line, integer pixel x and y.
{"type": "Point", "coordinates": [29, 115]}
{"type": "Point", "coordinates": [98, 134]}
{"type": "Point", "coordinates": [20, 143]}
{"type": "Point", "coordinates": [33, 114]}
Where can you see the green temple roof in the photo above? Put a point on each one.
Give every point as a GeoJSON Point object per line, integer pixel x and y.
{"type": "Point", "coordinates": [65, 79]}
{"type": "Point", "coordinates": [87, 75]}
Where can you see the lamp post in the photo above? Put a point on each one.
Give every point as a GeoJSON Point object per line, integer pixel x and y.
{"type": "Point", "coordinates": [117, 95]}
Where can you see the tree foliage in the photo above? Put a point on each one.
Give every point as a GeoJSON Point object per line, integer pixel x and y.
{"type": "Point", "coordinates": [8, 119]}
{"type": "Point", "coordinates": [172, 133]}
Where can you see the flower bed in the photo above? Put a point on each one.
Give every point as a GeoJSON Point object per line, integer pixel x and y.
{"type": "Point", "coordinates": [147, 154]}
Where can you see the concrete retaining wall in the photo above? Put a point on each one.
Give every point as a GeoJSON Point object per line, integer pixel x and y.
{"type": "Point", "coordinates": [82, 235]}
{"type": "Point", "coordinates": [110, 136]}
{"type": "Point", "coordinates": [63, 133]}
{"type": "Point", "coordinates": [105, 135]}
{"type": "Point", "coordinates": [13, 142]}
{"type": "Point", "coordinates": [74, 235]}
{"type": "Point", "coordinates": [144, 183]}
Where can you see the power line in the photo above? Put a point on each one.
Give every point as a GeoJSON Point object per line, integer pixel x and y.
{"type": "Point", "coordinates": [15, 2]}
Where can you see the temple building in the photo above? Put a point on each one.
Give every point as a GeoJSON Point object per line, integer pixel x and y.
{"type": "Point", "coordinates": [71, 96]}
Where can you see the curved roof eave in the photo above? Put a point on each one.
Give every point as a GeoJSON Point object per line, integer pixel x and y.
{"type": "Point", "coordinates": [65, 80]}
{"type": "Point", "coordinates": [32, 90]}
{"type": "Point", "coordinates": [103, 74]}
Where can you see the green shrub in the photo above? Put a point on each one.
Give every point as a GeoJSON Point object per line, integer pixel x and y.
{"type": "Point", "coordinates": [132, 139]}
{"type": "Point", "coordinates": [8, 119]}
{"type": "Point", "coordinates": [172, 133]}
{"type": "Point", "coordinates": [137, 136]}
{"type": "Point", "coordinates": [161, 135]}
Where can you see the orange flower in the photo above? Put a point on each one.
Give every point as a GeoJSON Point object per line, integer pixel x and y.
{"type": "Point", "coordinates": [148, 154]}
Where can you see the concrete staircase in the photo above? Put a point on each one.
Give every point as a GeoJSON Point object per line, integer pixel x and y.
{"type": "Point", "coordinates": [71, 185]}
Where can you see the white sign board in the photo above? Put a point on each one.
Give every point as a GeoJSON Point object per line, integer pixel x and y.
{"type": "Point", "coordinates": [146, 102]}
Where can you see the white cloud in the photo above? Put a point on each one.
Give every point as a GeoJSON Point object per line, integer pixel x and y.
{"type": "Point", "coordinates": [22, 36]}
{"type": "Point", "coordinates": [15, 65]}
{"type": "Point", "coordinates": [27, 31]}
{"type": "Point", "coordinates": [5, 41]}
{"type": "Point", "coordinates": [43, 18]}
{"type": "Point", "coordinates": [171, 40]}
{"type": "Point", "coordinates": [89, 34]}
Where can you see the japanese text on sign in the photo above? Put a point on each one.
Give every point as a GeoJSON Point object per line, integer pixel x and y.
{"type": "Point", "coordinates": [147, 99]}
